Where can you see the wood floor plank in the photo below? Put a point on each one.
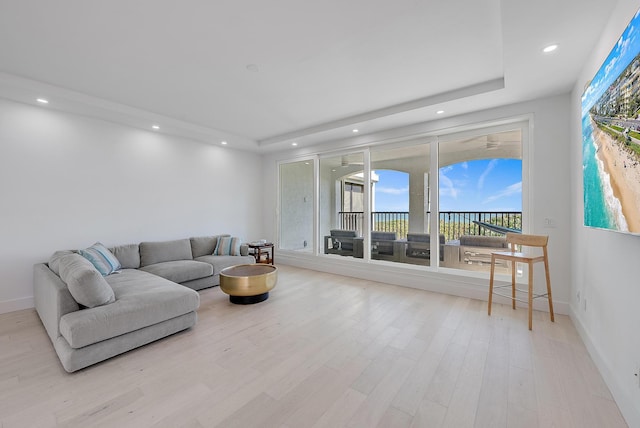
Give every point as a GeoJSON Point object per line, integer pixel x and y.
{"type": "Point", "coordinates": [323, 351]}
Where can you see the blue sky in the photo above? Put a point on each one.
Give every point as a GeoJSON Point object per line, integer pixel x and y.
{"type": "Point", "coordinates": [481, 185]}
{"type": "Point", "coordinates": [625, 50]}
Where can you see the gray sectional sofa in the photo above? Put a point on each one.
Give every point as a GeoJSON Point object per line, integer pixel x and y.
{"type": "Point", "coordinates": [152, 296]}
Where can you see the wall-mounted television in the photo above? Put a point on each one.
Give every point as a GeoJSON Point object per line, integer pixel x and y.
{"type": "Point", "coordinates": [611, 138]}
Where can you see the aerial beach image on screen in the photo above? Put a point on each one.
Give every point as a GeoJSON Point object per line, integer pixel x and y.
{"type": "Point", "coordinates": [611, 138]}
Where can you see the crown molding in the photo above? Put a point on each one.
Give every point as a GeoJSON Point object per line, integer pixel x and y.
{"type": "Point", "coordinates": [23, 90]}
{"type": "Point", "coordinates": [456, 94]}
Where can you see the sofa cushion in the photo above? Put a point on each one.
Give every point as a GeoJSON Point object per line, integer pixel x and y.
{"type": "Point", "coordinates": [128, 255]}
{"type": "Point", "coordinates": [180, 270]}
{"type": "Point", "coordinates": [165, 251]}
{"type": "Point", "coordinates": [100, 256]}
{"type": "Point", "coordinates": [142, 300]}
{"type": "Point", "coordinates": [54, 260]}
{"type": "Point", "coordinates": [204, 245]}
{"type": "Point", "coordinates": [87, 286]}
{"type": "Point", "coordinates": [483, 241]}
{"type": "Point", "coordinates": [228, 246]}
{"type": "Point", "coordinates": [221, 262]}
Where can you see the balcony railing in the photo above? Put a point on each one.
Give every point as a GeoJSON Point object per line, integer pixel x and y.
{"type": "Point", "coordinates": [453, 224]}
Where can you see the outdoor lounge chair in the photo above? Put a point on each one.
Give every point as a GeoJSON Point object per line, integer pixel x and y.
{"type": "Point", "coordinates": [344, 243]}
{"type": "Point", "coordinates": [419, 246]}
{"type": "Point", "coordinates": [384, 246]}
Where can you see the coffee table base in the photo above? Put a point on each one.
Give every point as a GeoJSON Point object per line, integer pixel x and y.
{"type": "Point", "coordinates": [249, 300]}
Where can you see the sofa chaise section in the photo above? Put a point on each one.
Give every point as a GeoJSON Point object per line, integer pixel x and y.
{"type": "Point", "coordinates": [147, 308]}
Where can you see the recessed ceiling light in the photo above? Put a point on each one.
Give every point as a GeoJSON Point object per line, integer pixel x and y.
{"type": "Point", "coordinates": [156, 127]}
{"type": "Point", "coordinates": [355, 131]}
{"type": "Point", "coordinates": [550, 48]}
{"type": "Point", "coordinates": [224, 143]}
{"type": "Point", "coordinates": [440, 112]}
{"type": "Point", "coordinates": [42, 101]}
{"type": "Point", "coordinates": [306, 163]}
{"type": "Point", "coordinates": [294, 144]}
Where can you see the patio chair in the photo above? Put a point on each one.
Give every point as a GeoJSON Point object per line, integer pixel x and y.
{"type": "Point", "coordinates": [419, 246]}
{"type": "Point", "coordinates": [383, 245]}
{"type": "Point", "coordinates": [344, 243]}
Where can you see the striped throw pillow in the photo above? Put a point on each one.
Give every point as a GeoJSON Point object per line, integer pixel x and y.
{"type": "Point", "coordinates": [103, 259]}
{"type": "Point", "coordinates": [228, 246]}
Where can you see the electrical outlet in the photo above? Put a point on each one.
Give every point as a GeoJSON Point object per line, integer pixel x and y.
{"type": "Point", "coordinates": [578, 296]}
{"type": "Point", "coordinates": [519, 270]}
{"type": "Point", "coordinates": [304, 244]}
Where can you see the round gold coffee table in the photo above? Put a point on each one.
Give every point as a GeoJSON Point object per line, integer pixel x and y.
{"type": "Point", "coordinates": [248, 284]}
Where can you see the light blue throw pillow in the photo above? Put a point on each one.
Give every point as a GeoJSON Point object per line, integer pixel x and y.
{"type": "Point", "coordinates": [103, 259]}
{"type": "Point", "coordinates": [228, 246]}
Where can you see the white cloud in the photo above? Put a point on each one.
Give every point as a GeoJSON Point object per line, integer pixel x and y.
{"type": "Point", "coordinates": [610, 66]}
{"type": "Point", "coordinates": [508, 191]}
{"type": "Point", "coordinates": [446, 169]}
{"type": "Point", "coordinates": [446, 186]}
{"type": "Point", "coordinates": [393, 190]}
{"type": "Point", "coordinates": [486, 172]}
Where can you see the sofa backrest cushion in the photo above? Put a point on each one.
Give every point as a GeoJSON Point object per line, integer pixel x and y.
{"type": "Point", "coordinates": [165, 251]}
{"type": "Point", "coordinates": [54, 260]}
{"type": "Point", "coordinates": [383, 236]}
{"type": "Point", "coordinates": [483, 241]}
{"type": "Point", "coordinates": [87, 286]}
{"type": "Point", "coordinates": [340, 233]}
{"type": "Point", "coordinates": [423, 237]}
{"type": "Point", "coordinates": [128, 255]}
{"type": "Point", "coordinates": [204, 245]}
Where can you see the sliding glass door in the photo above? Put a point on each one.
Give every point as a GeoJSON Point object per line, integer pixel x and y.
{"type": "Point", "coordinates": [480, 196]}
{"type": "Point", "coordinates": [445, 201]}
{"type": "Point", "coordinates": [341, 205]}
{"type": "Point", "coordinates": [400, 203]}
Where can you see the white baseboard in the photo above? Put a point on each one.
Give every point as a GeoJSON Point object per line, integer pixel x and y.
{"type": "Point", "coordinates": [16, 304]}
{"type": "Point", "coordinates": [473, 285]}
{"type": "Point", "coordinates": [629, 409]}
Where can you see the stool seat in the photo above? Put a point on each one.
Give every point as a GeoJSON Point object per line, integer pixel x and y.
{"type": "Point", "coordinates": [513, 256]}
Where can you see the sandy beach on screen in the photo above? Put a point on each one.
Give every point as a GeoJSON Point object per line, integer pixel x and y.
{"type": "Point", "coordinates": [624, 171]}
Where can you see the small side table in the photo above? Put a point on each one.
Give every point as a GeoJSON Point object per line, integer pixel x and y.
{"type": "Point", "coordinates": [263, 253]}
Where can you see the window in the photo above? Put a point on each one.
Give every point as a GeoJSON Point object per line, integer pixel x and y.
{"type": "Point", "coordinates": [353, 197]}
{"type": "Point", "coordinates": [480, 196]}
{"type": "Point", "coordinates": [428, 201]}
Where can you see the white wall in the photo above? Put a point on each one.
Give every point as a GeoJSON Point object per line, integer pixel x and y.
{"type": "Point", "coordinates": [67, 181]}
{"type": "Point", "coordinates": [549, 198]}
{"type": "Point", "coordinates": [606, 264]}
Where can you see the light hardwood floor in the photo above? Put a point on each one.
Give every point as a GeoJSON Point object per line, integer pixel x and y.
{"type": "Point", "coordinates": [323, 351]}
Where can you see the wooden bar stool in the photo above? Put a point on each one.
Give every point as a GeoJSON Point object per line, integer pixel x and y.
{"type": "Point", "coordinates": [513, 239]}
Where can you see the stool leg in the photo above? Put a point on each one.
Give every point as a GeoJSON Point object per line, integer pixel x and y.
{"type": "Point", "coordinates": [546, 271]}
{"type": "Point", "coordinates": [493, 266]}
{"type": "Point", "coordinates": [530, 296]}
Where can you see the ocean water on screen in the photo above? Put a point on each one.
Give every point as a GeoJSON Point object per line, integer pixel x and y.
{"type": "Point", "coordinates": [601, 208]}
